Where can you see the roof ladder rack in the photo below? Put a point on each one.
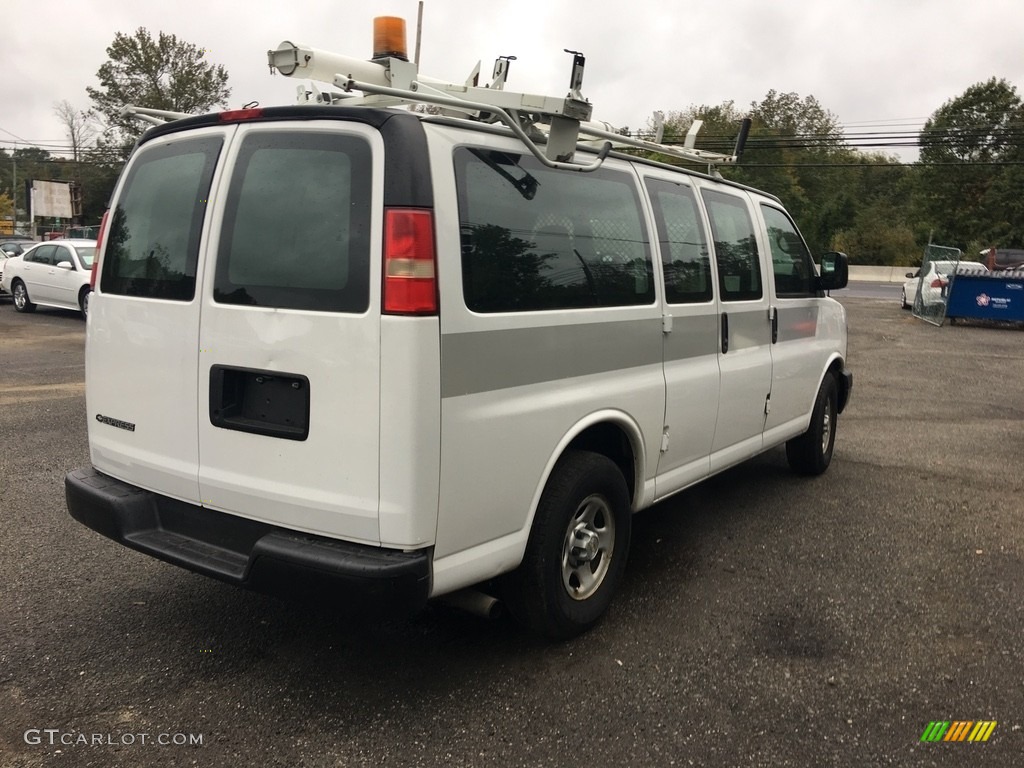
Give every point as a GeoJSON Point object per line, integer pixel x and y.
{"type": "Point", "coordinates": [389, 79]}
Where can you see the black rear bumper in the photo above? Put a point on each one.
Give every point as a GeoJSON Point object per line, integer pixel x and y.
{"type": "Point", "coordinates": [250, 554]}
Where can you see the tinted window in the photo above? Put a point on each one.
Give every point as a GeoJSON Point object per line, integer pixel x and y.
{"type": "Point", "coordinates": [153, 243]}
{"type": "Point", "coordinates": [297, 225]}
{"type": "Point", "coordinates": [41, 255]}
{"type": "Point", "coordinates": [63, 254]}
{"type": "Point", "coordinates": [534, 238]}
{"type": "Point", "coordinates": [684, 247]}
{"type": "Point", "coordinates": [739, 270]}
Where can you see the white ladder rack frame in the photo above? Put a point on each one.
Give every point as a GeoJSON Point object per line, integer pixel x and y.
{"type": "Point", "coordinates": [558, 123]}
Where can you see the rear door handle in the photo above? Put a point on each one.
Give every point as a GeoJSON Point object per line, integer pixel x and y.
{"type": "Point", "coordinates": [725, 333]}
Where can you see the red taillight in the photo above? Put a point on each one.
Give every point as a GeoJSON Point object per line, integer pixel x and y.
{"type": "Point", "coordinates": [96, 255]}
{"type": "Point", "coordinates": [410, 266]}
{"type": "Point", "coordinates": [235, 115]}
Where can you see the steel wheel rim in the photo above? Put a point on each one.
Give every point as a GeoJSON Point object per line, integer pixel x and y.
{"type": "Point", "coordinates": [588, 547]}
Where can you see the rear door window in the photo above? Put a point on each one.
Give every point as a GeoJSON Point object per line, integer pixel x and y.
{"type": "Point", "coordinates": [296, 231]}
{"type": "Point", "coordinates": [739, 268]}
{"type": "Point", "coordinates": [535, 239]}
{"type": "Point", "coordinates": [153, 243]}
{"type": "Point", "coordinates": [684, 247]}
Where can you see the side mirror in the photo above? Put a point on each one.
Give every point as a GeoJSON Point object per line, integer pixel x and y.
{"type": "Point", "coordinates": [835, 271]}
{"type": "Point", "coordinates": [66, 265]}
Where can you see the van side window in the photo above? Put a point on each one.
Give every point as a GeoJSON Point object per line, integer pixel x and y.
{"type": "Point", "coordinates": [791, 261]}
{"type": "Point", "coordinates": [739, 269]}
{"type": "Point", "coordinates": [296, 229]}
{"type": "Point", "coordinates": [534, 238]}
{"type": "Point", "coordinates": [153, 242]}
{"type": "Point", "coordinates": [684, 246]}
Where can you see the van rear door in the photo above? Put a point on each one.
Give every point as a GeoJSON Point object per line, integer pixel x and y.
{"type": "Point", "coordinates": [289, 341]}
{"type": "Point", "coordinates": [141, 393]}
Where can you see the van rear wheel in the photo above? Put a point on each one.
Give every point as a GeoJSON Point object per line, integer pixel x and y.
{"type": "Point", "coordinates": [811, 453]}
{"type": "Point", "coordinates": [577, 550]}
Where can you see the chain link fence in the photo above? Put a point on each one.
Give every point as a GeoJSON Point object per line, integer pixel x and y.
{"type": "Point", "coordinates": [938, 267]}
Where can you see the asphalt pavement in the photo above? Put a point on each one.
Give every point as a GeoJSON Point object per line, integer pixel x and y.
{"type": "Point", "coordinates": [765, 620]}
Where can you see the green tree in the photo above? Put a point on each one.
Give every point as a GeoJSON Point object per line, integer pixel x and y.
{"type": "Point", "coordinates": [6, 214]}
{"type": "Point", "coordinates": [971, 175]}
{"type": "Point", "coordinates": [161, 73]}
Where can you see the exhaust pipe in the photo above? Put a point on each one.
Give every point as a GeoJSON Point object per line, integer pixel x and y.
{"type": "Point", "coordinates": [475, 602]}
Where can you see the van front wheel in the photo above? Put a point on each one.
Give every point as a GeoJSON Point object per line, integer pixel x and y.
{"type": "Point", "coordinates": [811, 453]}
{"type": "Point", "coordinates": [577, 550]}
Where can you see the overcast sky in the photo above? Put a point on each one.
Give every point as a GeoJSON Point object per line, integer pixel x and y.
{"type": "Point", "coordinates": [876, 64]}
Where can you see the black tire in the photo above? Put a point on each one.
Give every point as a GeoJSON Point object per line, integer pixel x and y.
{"type": "Point", "coordinates": [22, 303]}
{"type": "Point", "coordinates": [811, 453]}
{"type": "Point", "coordinates": [83, 301]}
{"type": "Point", "coordinates": [585, 509]}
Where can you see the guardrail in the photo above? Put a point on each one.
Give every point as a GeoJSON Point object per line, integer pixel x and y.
{"type": "Point", "coordinates": [880, 274]}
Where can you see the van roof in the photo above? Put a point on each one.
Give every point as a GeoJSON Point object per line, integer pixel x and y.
{"type": "Point", "coordinates": [377, 117]}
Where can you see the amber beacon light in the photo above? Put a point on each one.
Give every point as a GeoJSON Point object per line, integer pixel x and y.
{"type": "Point", "coordinates": [389, 38]}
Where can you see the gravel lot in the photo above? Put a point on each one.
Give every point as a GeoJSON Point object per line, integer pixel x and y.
{"type": "Point", "coordinates": [766, 620]}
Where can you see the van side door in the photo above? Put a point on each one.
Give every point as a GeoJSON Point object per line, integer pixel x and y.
{"type": "Point", "coordinates": [690, 334]}
{"type": "Point", "coordinates": [745, 357]}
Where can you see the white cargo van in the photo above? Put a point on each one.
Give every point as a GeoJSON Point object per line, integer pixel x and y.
{"type": "Point", "coordinates": [370, 357]}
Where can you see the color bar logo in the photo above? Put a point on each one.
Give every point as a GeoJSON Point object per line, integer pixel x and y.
{"type": "Point", "coordinates": [958, 730]}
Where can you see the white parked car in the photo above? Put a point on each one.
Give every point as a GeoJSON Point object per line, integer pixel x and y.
{"type": "Point", "coordinates": [936, 281]}
{"type": "Point", "coordinates": [52, 274]}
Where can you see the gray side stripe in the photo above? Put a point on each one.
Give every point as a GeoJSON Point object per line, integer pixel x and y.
{"type": "Point", "coordinates": [748, 329]}
{"type": "Point", "coordinates": [490, 360]}
{"type": "Point", "coordinates": [693, 336]}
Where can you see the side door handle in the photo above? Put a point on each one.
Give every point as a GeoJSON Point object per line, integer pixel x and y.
{"type": "Point", "coordinates": [725, 333]}
{"type": "Point", "coordinates": [775, 324]}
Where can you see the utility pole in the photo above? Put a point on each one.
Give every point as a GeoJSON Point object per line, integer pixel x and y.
{"type": "Point", "coordinates": [14, 192]}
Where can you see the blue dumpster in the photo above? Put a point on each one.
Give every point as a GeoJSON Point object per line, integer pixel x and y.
{"type": "Point", "coordinates": [991, 296]}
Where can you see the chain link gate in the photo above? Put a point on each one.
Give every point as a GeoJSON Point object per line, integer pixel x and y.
{"type": "Point", "coordinates": [938, 267]}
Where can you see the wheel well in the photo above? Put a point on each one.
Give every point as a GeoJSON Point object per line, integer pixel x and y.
{"type": "Point", "coordinates": [835, 370]}
{"type": "Point", "coordinates": [612, 441]}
